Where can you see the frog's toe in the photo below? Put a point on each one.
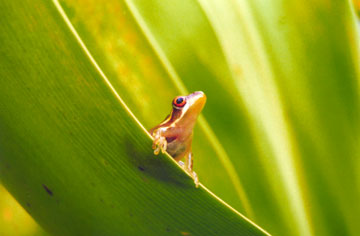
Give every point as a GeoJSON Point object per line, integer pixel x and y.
{"type": "Point", "coordinates": [163, 145]}
{"type": "Point", "coordinates": [182, 164]}
{"type": "Point", "coordinates": [196, 179]}
{"type": "Point", "coordinates": [156, 146]}
{"type": "Point", "coordinates": [191, 173]}
{"type": "Point", "coordinates": [159, 144]}
{"type": "Point", "coordinates": [157, 150]}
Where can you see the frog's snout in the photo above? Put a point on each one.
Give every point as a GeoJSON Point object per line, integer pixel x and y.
{"type": "Point", "coordinates": [198, 100]}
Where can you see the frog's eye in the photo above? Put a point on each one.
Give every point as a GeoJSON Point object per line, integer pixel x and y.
{"type": "Point", "coordinates": [179, 102]}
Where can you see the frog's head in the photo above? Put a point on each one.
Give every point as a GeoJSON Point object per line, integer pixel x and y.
{"type": "Point", "coordinates": [186, 109]}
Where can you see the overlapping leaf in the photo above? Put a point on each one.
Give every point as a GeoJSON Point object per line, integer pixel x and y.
{"type": "Point", "coordinates": [282, 80]}
{"type": "Point", "coordinates": [73, 154]}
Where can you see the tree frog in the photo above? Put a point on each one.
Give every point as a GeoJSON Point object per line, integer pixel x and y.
{"type": "Point", "coordinates": [175, 133]}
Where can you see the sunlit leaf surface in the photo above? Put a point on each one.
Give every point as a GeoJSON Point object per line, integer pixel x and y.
{"type": "Point", "coordinates": [279, 138]}
{"type": "Point", "coordinates": [287, 111]}
{"type": "Point", "coordinates": [283, 99]}
{"type": "Point", "coordinates": [73, 154]}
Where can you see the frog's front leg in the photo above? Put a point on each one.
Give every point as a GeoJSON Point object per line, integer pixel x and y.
{"type": "Point", "coordinates": [189, 168]}
{"type": "Point", "coordinates": [160, 142]}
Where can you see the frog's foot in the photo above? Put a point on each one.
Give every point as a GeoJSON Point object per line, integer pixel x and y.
{"type": "Point", "coordinates": [188, 167]}
{"type": "Point", "coordinates": [182, 164]}
{"type": "Point", "coordinates": [159, 143]}
{"type": "Point", "coordinates": [191, 173]}
{"type": "Point", "coordinates": [195, 177]}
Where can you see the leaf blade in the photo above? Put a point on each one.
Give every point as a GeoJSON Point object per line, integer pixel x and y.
{"type": "Point", "coordinates": [75, 150]}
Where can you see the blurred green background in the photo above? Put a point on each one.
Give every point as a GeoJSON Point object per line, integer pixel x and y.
{"type": "Point", "coordinates": [279, 136]}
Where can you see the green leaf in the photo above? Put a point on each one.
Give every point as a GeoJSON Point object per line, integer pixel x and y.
{"type": "Point", "coordinates": [71, 151]}
{"type": "Point", "coordinates": [153, 84]}
{"type": "Point", "coordinates": [285, 77]}
{"type": "Point", "coordinates": [278, 141]}
{"type": "Point", "coordinates": [280, 135]}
